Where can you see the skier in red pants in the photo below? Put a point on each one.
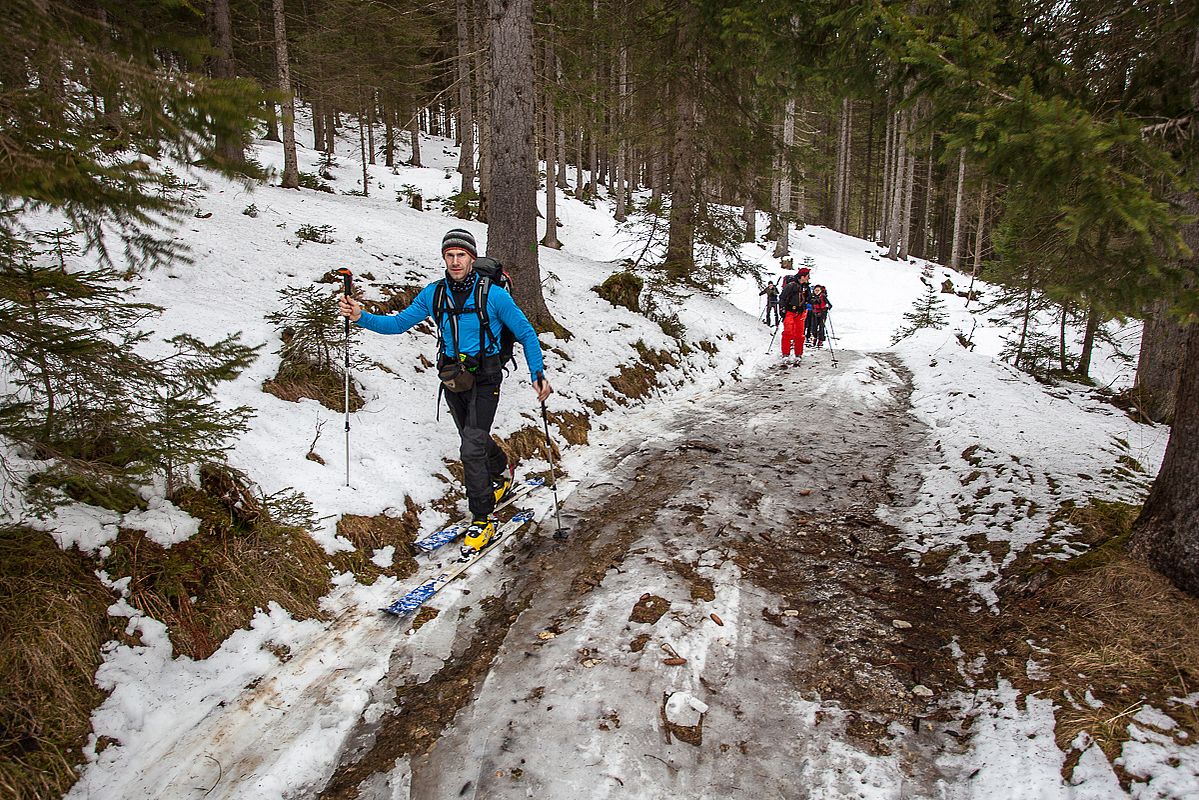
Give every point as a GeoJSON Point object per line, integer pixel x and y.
{"type": "Point", "coordinates": [795, 301]}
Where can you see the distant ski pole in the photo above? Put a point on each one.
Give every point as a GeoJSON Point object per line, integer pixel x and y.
{"type": "Point", "coordinates": [832, 334]}
{"type": "Point", "coordinates": [770, 346]}
{"type": "Point", "coordinates": [559, 534]}
{"type": "Point", "coordinates": [347, 278]}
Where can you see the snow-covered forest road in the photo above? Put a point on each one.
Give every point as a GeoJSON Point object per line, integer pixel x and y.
{"type": "Point", "coordinates": [721, 623]}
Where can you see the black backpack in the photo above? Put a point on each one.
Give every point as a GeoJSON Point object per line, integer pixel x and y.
{"type": "Point", "coordinates": [490, 272]}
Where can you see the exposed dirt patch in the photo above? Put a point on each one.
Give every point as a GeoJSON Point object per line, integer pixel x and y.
{"type": "Point", "coordinates": [424, 709]}
{"type": "Point", "coordinates": [369, 534]}
{"type": "Point", "coordinates": [649, 609]}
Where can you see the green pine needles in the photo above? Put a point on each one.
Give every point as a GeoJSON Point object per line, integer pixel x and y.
{"type": "Point", "coordinates": [929, 312]}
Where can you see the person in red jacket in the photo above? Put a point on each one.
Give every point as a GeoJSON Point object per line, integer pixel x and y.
{"type": "Point", "coordinates": [794, 302]}
{"type": "Point", "coordinates": [816, 317]}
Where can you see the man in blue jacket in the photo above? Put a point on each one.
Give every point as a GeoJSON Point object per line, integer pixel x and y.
{"type": "Point", "coordinates": [470, 365]}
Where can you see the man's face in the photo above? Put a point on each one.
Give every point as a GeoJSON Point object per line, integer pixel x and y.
{"type": "Point", "coordinates": [458, 262]}
{"type": "Point", "coordinates": [805, 278]}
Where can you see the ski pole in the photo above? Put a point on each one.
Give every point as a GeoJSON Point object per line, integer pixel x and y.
{"type": "Point", "coordinates": [559, 534]}
{"type": "Point", "coordinates": [347, 278]}
{"type": "Point", "coordinates": [832, 334]}
{"type": "Point", "coordinates": [770, 346]}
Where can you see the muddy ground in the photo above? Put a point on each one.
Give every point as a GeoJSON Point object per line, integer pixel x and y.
{"type": "Point", "coordinates": [733, 555]}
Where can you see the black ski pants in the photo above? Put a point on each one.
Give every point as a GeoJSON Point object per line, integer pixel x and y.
{"type": "Point", "coordinates": [772, 309]}
{"type": "Point", "coordinates": [482, 458]}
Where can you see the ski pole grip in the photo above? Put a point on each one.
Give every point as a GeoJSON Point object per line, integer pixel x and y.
{"type": "Point", "coordinates": [347, 278]}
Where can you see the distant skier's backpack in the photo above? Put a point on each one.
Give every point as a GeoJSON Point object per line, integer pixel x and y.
{"type": "Point", "coordinates": [490, 272]}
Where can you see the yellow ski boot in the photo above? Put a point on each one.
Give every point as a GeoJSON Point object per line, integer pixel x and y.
{"type": "Point", "coordinates": [478, 535]}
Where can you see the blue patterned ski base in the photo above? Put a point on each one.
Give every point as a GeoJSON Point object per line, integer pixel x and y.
{"type": "Point", "coordinates": [446, 535]}
{"type": "Point", "coordinates": [421, 594]}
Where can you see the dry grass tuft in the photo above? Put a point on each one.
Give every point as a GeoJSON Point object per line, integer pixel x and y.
{"type": "Point", "coordinates": [526, 443]}
{"type": "Point", "coordinates": [53, 621]}
{"type": "Point", "coordinates": [368, 534]}
{"type": "Point", "coordinates": [573, 426]}
{"type": "Point", "coordinates": [1107, 624]}
{"type": "Point", "coordinates": [205, 588]}
{"type": "Point", "coordinates": [295, 381]}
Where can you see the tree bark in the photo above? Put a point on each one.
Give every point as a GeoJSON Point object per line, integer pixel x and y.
{"type": "Point", "coordinates": [466, 122]}
{"type": "Point", "coordinates": [621, 178]}
{"type": "Point", "coordinates": [291, 172]}
{"type": "Point", "coordinates": [483, 100]}
{"type": "Point", "coordinates": [551, 167]}
{"type": "Point", "coordinates": [230, 148]}
{"type": "Point", "coordinates": [750, 215]}
{"type": "Point", "coordinates": [1167, 531]}
{"type": "Point", "coordinates": [955, 260]}
{"type": "Point", "coordinates": [414, 139]}
{"type": "Point", "coordinates": [909, 189]}
{"type": "Point", "coordinates": [782, 247]}
{"type": "Point", "coordinates": [894, 223]}
{"type": "Point", "coordinates": [1088, 342]}
{"type": "Point", "coordinates": [512, 224]}
{"type": "Point", "coordinates": [680, 244]}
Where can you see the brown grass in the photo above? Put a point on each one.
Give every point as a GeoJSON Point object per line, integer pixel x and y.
{"type": "Point", "coordinates": [295, 381]}
{"type": "Point", "coordinates": [573, 426]}
{"type": "Point", "coordinates": [240, 561]}
{"type": "Point", "coordinates": [53, 619]}
{"type": "Point", "coordinates": [368, 534]}
{"type": "Point", "coordinates": [1111, 626]}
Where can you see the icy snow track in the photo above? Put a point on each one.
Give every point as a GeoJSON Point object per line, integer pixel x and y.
{"type": "Point", "coordinates": [721, 623]}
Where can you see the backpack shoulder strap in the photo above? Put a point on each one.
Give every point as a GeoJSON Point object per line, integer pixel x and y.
{"type": "Point", "coordinates": [482, 288]}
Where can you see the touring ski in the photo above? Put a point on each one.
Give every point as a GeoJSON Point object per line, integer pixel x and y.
{"type": "Point", "coordinates": [449, 533]}
{"type": "Point", "coordinates": [418, 596]}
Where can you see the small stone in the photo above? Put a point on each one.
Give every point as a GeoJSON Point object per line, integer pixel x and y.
{"type": "Point", "coordinates": [717, 620]}
{"type": "Point", "coordinates": [676, 661]}
{"type": "Point", "coordinates": [804, 492]}
{"type": "Point", "coordinates": [591, 662]}
{"type": "Point", "coordinates": [920, 690]}
{"type": "Point", "coordinates": [790, 612]}
{"type": "Point", "coordinates": [900, 624]}
{"type": "Point", "coordinates": [546, 635]}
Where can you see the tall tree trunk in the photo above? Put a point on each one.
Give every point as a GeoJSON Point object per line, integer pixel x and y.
{"type": "Point", "coordinates": [483, 104]}
{"type": "Point", "coordinates": [370, 127]}
{"type": "Point", "coordinates": [389, 137]}
{"type": "Point", "coordinates": [318, 124]}
{"type": "Point", "coordinates": [291, 172]}
{"type": "Point", "coordinates": [979, 234]}
{"type": "Point", "coordinates": [1167, 531]}
{"type": "Point", "coordinates": [955, 260]}
{"type": "Point", "coordinates": [551, 168]}
{"type": "Point", "coordinates": [884, 200]}
{"type": "Point", "coordinates": [895, 219]}
{"type": "Point", "coordinates": [1159, 367]}
{"type": "Point", "coordinates": [579, 153]}
{"type": "Point", "coordinates": [839, 185]}
{"type": "Point", "coordinates": [1026, 318]}
{"type": "Point", "coordinates": [926, 227]}
{"type": "Point", "coordinates": [1088, 342]}
{"type": "Point", "coordinates": [229, 146]}
{"type": "Point", "coordinates": [414, 139]}
{"type": "Point", "coordinates": [909, 189]}
{"type": "Point", "coordinates": [782, 247]}
{"type": "Point", "coordinates": [622, 82]}
{"type": "Point", "coordinates": [512, 223]}
{"type": "Point", "coordinates": [466, 122]}
{"type": "Point", "coordinates": [680, 244]}
{"type": "Point", "coordinates": [749, 215]}
{"type": "Point", "coordinates": [366, 178]}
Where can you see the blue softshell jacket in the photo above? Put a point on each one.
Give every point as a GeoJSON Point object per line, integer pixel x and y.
{"type": "Point", "coordinates": [502, 312]}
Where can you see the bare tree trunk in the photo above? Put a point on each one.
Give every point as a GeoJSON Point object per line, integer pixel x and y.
{"type": "Point", "coordinates": [782, 247]}
{"type": "Point", "coordinates": [512, 223]}
{"type": "Point", "coordinates": [483, 103]}
{"type": "Point", "coordinates": [291, 172]}
{"type": "Point", "coordinates": [389, 137]}
{"type": "Point", "coordinates": [840, 188]}
{"type": "Point", "coordinates": [229, 146]}
{"type": "Point", "coordinates": [551, 179]}
{"type": "Point", "coordinates": [1088, 342]}
{"type": "Point", "coordinates": [366, 178]}
{"type": "Point", "coordinates": [579, 155]}
{"type": "Point", "coordinates": [621, 178]}
{"type": "Point", "coordinates": [979, 233]}
{"type": "Point", "coordinates": [370, 126]}
{"type": "Point", "coordinates": [680, 245]}
{"type": "Point", "coordinates": [925, 239]}
{"type": "Point", "coordinates": [466, 122]}
{"type": "Point", "coordinates": [894, 225]}
{"type": "Point", "coordinates": [909, 189]}
{"type": "Point", "coordinates": [414, 139]}
{"type": "Point", "coordinates": [884, 211]}
{"type": "Point", "coordinates": [750, 215]}
{"type": "Point", "coordinates": [318, 124]}
{"type": "Point", "coordinates": [955, 260]}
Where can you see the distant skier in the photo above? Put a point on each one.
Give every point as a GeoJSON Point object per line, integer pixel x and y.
{"type": "Point", "coordinates": [772, 302]}
{"type": "Point", "coordinates": [795, 300]}
{"type": "Point", "coordinates": [814, 330]}
{"type": "Point", "coordinates": [470, 365]}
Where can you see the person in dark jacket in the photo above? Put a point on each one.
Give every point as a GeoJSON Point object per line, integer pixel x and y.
{"type": "Point", "coordinates": [795, 300]}
{"type": "Point", "coordinates": [485, 465]}
{"type": "Point", "coordinates": [816, 317]}
{"type": "Point", "coordinates": [772, 302]}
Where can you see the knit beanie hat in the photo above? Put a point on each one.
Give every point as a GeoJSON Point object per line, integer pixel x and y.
{"type": "Point", "coordinates": [460, 238]}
